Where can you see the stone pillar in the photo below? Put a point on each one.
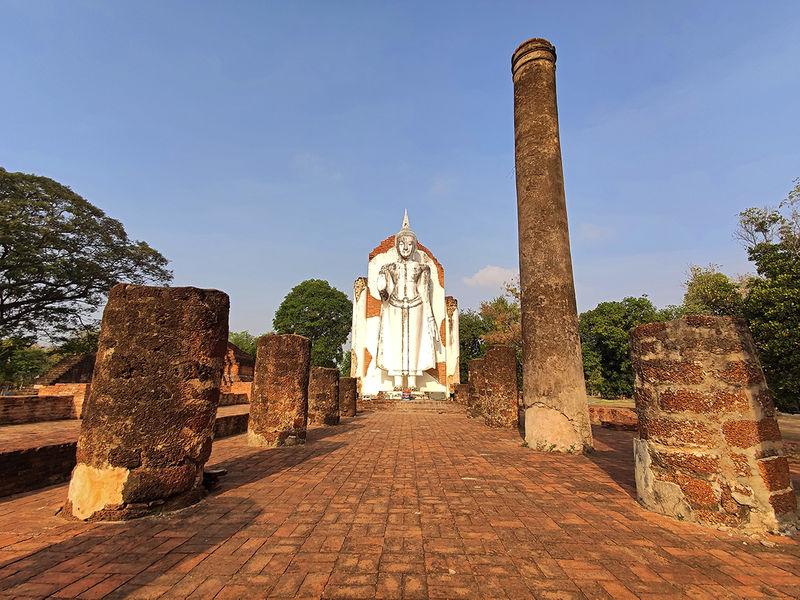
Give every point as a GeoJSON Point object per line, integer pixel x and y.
{"type": "Point", "coordinates": [323, 396]}
{"type": "Point", "coordinates": [461, 393]}
{"type": "Point", "coordinates": [554, 391]}
{"type": "Point", "coordinates": [498, 387]}
{"type": "Point", "coordinates": [475, 376]}
{"type": "Point", "coordinates": [279, 396]}
{"type": "Point", "coordinates": [709, 449]}
{"type": "Point", "coordinates": [149, 420]}
{"type": "Point", "coordinates": [347, 396]}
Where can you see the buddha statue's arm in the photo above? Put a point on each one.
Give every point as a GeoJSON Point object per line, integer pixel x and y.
{"type": "Point", "coordinates": [384, 282]}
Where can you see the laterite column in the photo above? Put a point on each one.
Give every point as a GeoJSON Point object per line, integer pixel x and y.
{"type": "Point", "coordinates": [554, 391]}
{"type": "Point", "coordinates": [149, 420]}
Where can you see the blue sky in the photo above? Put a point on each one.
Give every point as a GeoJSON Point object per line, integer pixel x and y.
{"type": "Point", "coordinates": [258, 144]}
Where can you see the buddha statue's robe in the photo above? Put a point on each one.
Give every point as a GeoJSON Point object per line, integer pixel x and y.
{"type": "Point", "coordinates": [407, 335]}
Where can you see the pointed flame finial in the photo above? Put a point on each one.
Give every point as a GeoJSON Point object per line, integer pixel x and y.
{"type": "Point", "coordinates": [405, 220]}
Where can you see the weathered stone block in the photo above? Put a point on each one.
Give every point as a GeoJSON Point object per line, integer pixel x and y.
{"type": "Point", "coordinates": [348, 395]}
{"type": "Point", "coordinates": [323, 396]}
{"type": "Point", "coordinates": [279, 394]}
{"type": "Point", "coordinates": [149, 420]}
{"type": "Point", "coordinates": [493, 386]}
{"type": "Point", "coordinates": [709, 448]}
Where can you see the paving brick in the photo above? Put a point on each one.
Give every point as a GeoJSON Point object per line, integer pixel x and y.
{"type": "Point", "coordinates": [397, 504]}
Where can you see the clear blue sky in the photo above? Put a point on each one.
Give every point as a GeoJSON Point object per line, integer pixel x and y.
{"type": "Point", "coordinates": [259, 144]}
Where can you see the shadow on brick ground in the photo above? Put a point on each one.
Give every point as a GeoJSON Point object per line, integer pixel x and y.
{"type": "Point", "coordinates": [322, 431]}
{"type": "Point", "coordinates": [614, 455]}
{"type": "Point", "coordinates": [163, 553]}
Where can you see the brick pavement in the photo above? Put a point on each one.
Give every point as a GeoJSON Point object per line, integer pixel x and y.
{"type": "Point", "coordinates": [396, 504]}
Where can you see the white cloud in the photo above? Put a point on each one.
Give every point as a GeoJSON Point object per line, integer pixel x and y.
{"type": "Point", "coordinates": [592, 232]}
{"type": "Point", "coordinates": [490, 276]}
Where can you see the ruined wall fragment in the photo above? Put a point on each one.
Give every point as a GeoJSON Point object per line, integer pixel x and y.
{"type": "Point", "coordinates": [709, 449]}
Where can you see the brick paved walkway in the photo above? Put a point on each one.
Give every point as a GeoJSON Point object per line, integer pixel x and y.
{"type": "Point", "coordinates": [396, 504]}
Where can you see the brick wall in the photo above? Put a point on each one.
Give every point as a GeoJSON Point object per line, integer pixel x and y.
{"type": "Point", "coordinates": [16, 410]}
{"type": "Point", "coordinates": [709, 448]}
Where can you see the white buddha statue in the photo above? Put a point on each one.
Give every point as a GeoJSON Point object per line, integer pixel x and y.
{"type": "Point", "coordinates": [408, 337]}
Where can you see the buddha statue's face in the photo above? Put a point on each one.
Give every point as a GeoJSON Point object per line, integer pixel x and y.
{"type": "Point", "coordinates": [406, 244]}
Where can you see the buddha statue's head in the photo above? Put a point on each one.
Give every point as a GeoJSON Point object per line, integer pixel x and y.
{"type": "Point", "coordinates": [405, 242]}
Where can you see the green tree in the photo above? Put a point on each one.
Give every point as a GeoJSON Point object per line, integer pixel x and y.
{"type": "Point", "coordinates": [245, 341]}
{"type": "Point", "coordinates": [345, 365]}
{"type": "Point", "coordinates": [471, 329]}
{"type": "Point", "coordinates": [22, 362]}
{"type": "Point", "coordinates": [605, 343]}
{"type": "Point", "coordinates": [59, 256]}
{"type": "Point", "coordinates": [320, 312]}
{"type": "Point", "coordinates": [709, 292]}
{"type": "Point", "coordinates": [772, 303]}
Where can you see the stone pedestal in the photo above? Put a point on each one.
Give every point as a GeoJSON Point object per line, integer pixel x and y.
{"type": "Point", "coordinates": [279, 396]}
{"type": "Point", "coordinates": [323, 396]}
{"type": "Point", "coordinates": [554, 391]}
{"type": "Point", "coordinates": [347, 396]}
{"type": "Point", "coordinates": [149, 421]}
{"type": "Point", "coordinates": [709, 448]}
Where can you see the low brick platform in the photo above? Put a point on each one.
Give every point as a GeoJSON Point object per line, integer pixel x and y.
{"type": "Point", "coordinates": [396, 504]}
{"type": "Point", "coordinates": [35, 455]}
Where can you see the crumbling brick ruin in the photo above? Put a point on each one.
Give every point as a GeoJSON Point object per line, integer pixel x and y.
{"type": "Point", "coordinates": [461, 394]}
{"type": "Point", "coordinates": [323, 396]}
{"type": "Point", "coordinates": [493, 387]}
{"type": "Point", "coordinates": [149, 420]}
{"type": "Point", "coordinates": [279, 397]}
{"type": "Point", "coordinates": [709, 448]}
{"type": "Point", "coordinates": [347, 396]}
{"type": "Point", "coordinates": [239, 367]}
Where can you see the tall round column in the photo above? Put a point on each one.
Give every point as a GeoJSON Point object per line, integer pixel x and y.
{"type": "Point", "coordinates": [554, 390]}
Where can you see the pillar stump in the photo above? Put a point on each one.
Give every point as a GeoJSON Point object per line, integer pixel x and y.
{"type": "Point", "coordinates": [498, 387]}
{"type": "Point", "coordinates": [347, 396]}
{"type": "Point", "coordinates": [474, 385]}
{"type": "Point", "coordinates": [323, 396]}
{"type": "Point", "coordinates": [554, 391]}
{"type": "Point", "coordinates": [709, 449]}
{"type": "Point", "coordinates": [279, 396]}
{"type": "Point", "coordinates": [461, 393]}
{"type": "Point", "coordinates": [149, 420]}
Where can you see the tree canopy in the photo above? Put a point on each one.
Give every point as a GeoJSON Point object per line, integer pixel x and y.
{"type": "Point", "coordinates": [710, 292]}
{"type": "Point", "coordinates": [320, 312]}
{"type": "Point", "coordinates": [59, 256]}
{"type": "Point", "coordinates": [245, 341]}
{"type": "Point", "coordinates": [605, 342]}
{"type": "Point", "coordinates": [772, 303]}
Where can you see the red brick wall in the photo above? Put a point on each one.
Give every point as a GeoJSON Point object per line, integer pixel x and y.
{"type": "Point", "coordinates": [709, 447]}
{"type": "Point", "coordinates": [15, 410]}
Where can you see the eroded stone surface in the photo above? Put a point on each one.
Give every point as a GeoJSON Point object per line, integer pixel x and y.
{"type": "Point", "coordinates": [552, 362]}
{"type": "Point", "coordinates": [347, 396]}
{"type": "Point", "coordinates": [279, 395]}
{"type": "Point", "coordinates": [709, 447]}
{"type": "Point", "coordinates": [149, 420]}
{"type": "Point", "coordinates": [323, 396]}
{"type": "Point", "coordinates": [493, 384]}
